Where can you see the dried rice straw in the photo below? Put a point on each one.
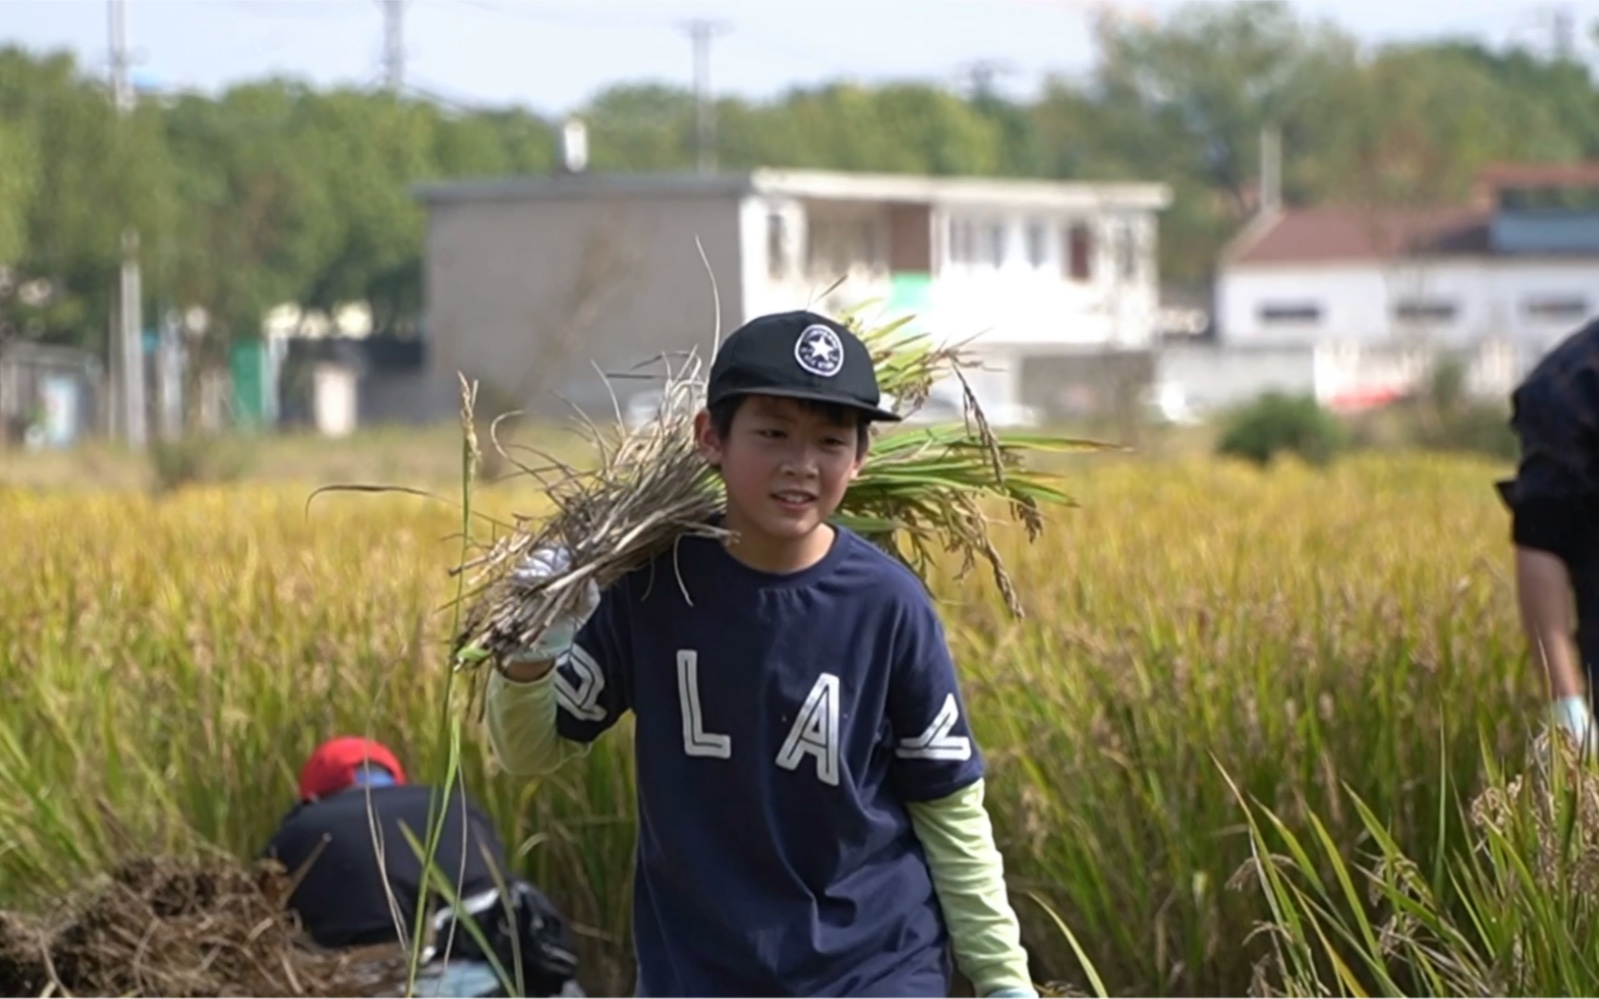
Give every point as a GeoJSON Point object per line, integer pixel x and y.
{"type": "Point", "coordinates": [651, 488]}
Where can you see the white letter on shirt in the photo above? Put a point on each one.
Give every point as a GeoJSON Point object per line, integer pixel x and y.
{"type": "Point", "coordinates": [583, 700]}
{"type": "Point", "coordinates": [815, 732]}
{"type": "Point", "coordinates": [697, 741]}
{"type": "Point", "coordinates": [936, 743]}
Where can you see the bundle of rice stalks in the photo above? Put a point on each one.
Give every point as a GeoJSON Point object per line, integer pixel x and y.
{"type": "Point", "coordinates": [165, 928]}
{"type": "Point", "coordinates": [921, 490]}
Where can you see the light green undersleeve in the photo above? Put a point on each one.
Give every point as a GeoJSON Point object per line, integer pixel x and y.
{"type": "Point", "coordinates": [969, 876]}
{"type": "Point", "coordinates": [521, 723]}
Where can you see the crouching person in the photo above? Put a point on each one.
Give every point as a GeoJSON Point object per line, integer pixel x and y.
{"type": "Point", "coordinates": [359, 878]}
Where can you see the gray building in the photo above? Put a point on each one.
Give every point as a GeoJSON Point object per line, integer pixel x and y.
{"type": "Point", "coordinates": [535, 285]}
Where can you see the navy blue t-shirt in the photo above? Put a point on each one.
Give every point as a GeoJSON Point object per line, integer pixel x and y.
{"type": "Point", "coordinates": [781, 721]}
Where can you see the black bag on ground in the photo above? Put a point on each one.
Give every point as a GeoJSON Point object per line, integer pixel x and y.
{"type": "Point", "coordinates": [531, 935]}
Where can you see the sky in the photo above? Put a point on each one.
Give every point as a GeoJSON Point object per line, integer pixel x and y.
{"type": "Point", "coordinates": [551, 55]}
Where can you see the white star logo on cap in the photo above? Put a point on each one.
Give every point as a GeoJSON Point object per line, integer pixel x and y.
{"type": "Point", "coordinates": [819, 351]}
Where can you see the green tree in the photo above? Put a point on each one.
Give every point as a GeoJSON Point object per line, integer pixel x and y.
{"type": "Point", "coordinates": [898, 128]}
{"type": "Point", "coordinates": [641, 127]}
{"type": "Point", "coordinates": [95, 176]}
{"type": "Point", "coordinates": [19, 177]}
{"type": "Point", "coordinates": [368, 149]}
{"type": "Point", "coordinates": [259, 220]}
{"type": "Point", "coordinates": [1185, 101]}
{"type": "Point", "coordinates": [1421, 122]}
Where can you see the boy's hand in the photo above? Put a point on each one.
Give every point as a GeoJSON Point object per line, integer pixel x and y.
{"type": "Point", "coordinates": [537, 566]}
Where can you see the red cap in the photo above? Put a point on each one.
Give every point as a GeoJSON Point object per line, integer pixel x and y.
{"type": "Point", "coordinates": [332, 766]}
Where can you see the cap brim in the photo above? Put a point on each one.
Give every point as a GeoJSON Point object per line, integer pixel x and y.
{"type": "Point", "coordinates": [880, 415]}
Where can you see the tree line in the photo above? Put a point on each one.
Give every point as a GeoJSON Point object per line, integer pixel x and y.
{"type": "Point", "coordinates": [276, 192]}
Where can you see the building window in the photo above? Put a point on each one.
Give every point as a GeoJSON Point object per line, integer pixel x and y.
{"type": "Point", "coordinates": [1037, 244]}
{"type": "Point", "coordinates": [1289, 312]}
{"type": "Point", "coordinates": [1419, 310]}
{"type": "Point", "coordinates": [1079, 259]}
{"type": "Point", "coordinates": [1555, 308]}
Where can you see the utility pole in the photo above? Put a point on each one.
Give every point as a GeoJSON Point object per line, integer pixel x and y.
{"type": "Point", "coordinates": [701, 32]}
{"type": "Point", "coordinates": [129, 359]}
{"type": "Point", "coordinates": [393, 44]}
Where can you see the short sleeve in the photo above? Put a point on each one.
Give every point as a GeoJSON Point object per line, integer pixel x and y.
{"type": "Point", "coordinates": [592, 680]}
{"type": "Point", "coordinates": [934, 752]}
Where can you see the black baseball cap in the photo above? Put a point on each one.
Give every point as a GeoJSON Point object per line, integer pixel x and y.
{"type": "Point", "coordinates": [797, 355]}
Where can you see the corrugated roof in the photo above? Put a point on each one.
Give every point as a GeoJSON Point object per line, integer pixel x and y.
{"type": "Point", "coordinates": [1343, 233]}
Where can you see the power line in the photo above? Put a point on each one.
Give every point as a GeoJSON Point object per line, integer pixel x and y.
{"type": "Point", "coordinates": [700, 32]}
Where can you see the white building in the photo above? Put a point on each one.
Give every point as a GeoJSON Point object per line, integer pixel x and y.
{"type": "Point", "coordinates": [1354, 303]}
{"type": "Point", "coordinates": [532, 282]}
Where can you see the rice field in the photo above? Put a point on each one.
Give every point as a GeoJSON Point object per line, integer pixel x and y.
{"type": "Point", "coordinates": [1318, 669]}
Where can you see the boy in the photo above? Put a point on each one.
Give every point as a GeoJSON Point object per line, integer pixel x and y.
{"type": "Point", "coordinates": [1553, 501]}
{"type": "Point", "coordinates": [809, 793]}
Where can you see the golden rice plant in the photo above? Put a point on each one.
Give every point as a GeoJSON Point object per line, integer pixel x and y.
{"type": "Point", "coordinates": [1338, 648]}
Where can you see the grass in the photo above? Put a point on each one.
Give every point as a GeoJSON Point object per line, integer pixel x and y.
{"type": "Point", "coordinates": [1213, 658]}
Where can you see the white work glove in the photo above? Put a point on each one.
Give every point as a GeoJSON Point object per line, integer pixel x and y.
{"type": "Point", "coordinates": [535, 567]}
{"type": "Point", "coordinates": [1572, 715]}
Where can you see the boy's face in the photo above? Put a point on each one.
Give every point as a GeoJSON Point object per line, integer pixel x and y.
{"type": "Point", "coordinates": [786, 466]}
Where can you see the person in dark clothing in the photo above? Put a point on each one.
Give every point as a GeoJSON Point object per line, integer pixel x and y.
{"type": "Point", "coordinates": [1553, 500]}
{"type": "Point", "coordinates": [360, 878]}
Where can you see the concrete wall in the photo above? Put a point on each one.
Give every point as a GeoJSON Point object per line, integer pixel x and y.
{"type": "Point", "coordinates": [1493, 298]}
{"type": "Point", "coordinates": [1338, 374]}
{"type": "Point", "coordinates": [528, 296]}
{"type": "Point", "coordinates": [1093, 385]}
{"type": "Point", "coordinates": [1215, 377]}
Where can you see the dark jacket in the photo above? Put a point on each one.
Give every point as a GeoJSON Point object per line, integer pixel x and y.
{"type": "Point", "coordinates": [342, 899]}
{"type": "Point", "coordinates": [1555, 416]}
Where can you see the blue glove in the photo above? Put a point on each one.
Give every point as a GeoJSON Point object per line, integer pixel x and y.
{"type": "Point", "coordinates": [540, 565]}
{"type": "Point", "coordinates": [1014, 994]}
